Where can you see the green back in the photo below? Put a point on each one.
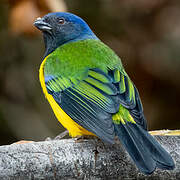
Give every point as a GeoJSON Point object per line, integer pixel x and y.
{"type": "Point", "coordinates": [72, 59]}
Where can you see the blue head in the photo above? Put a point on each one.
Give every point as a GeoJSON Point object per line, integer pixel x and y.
{"type": "Point", "coordinates": [60, 28]}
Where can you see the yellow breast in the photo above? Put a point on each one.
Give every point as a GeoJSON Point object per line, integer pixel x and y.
{"type": "Point", "coordinates": [73, 128]}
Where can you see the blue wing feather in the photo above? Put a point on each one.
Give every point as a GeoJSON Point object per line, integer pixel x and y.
{"type": "Point", "coordinates": [97, 98]}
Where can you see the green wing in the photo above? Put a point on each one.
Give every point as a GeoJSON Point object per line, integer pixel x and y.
{"type": "Point", "coordinates": [92, 101]}
{"type": "Point", "coordinates": [89, 102]}
{"type": "Point", "coordinates": [130, 109]}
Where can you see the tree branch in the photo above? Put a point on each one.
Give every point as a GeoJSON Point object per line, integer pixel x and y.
{"type": "Point", "coordinates": [89, 159]}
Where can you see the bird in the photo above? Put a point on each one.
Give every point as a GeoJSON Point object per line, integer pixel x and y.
{"type": "Point", "coordinates": [90, 92]}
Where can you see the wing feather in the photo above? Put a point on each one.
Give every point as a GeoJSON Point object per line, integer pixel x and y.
{"type": "Point", "coordinates": [92, 101]}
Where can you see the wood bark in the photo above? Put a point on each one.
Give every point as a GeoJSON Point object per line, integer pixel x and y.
{"type": "Point", "coordinates": [87, 159]}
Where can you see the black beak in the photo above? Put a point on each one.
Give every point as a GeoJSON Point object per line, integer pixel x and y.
{"type": "Point", "coordinates": [42, 26]}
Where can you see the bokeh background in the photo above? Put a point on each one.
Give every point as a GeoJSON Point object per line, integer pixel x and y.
{"type": "Point", "coordinates": [145, 34]}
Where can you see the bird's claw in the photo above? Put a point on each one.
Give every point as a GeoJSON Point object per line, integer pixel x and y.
{"type": "Point", "coordinates": [58, 137]}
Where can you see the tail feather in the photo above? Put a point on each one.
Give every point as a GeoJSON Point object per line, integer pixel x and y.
{"type": "Point", "coordinates": [145, 151]}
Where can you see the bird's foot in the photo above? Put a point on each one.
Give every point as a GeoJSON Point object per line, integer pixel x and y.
{"type": "Point", "coordinates": [62, 135]}
{"type": "Point", "coordinates": [48, 139]}
{"type": "Point", "coordinates": [80, 139]}
{"type": "Point", "coordinates": [58, 137]}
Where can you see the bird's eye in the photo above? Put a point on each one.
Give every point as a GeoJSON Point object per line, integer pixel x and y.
{"type": "Point", "coordinates": [61, 21]}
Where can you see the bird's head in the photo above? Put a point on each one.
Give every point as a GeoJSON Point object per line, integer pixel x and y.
{"type": "Point", "coordinates": [60, 28]}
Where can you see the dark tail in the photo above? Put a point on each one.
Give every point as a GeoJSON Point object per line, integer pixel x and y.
{"type": "Point", "coordinates": [145, 151]}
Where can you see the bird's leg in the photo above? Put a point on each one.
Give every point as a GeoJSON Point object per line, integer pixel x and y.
{"type": "Point", "coordinates": [62, 135]}
{"type": "Point", "coordinates": [58, 137]}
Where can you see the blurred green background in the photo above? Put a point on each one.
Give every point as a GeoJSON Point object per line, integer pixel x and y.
{"type": "Point", "coordinates": [145, 34]}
